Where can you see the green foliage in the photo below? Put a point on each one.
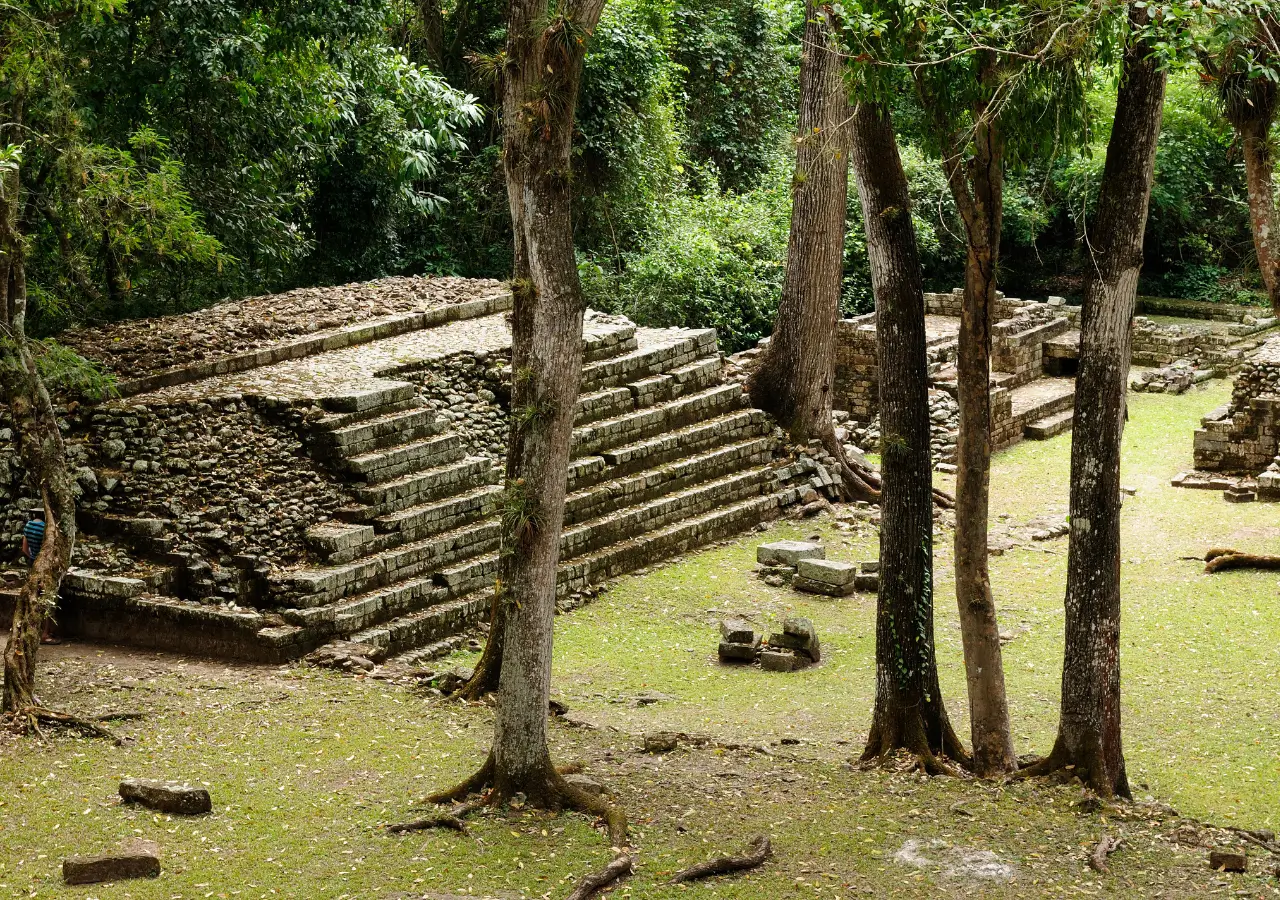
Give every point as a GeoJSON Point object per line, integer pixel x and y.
{"type": "Point", "coordinates": [739, 85]}
{"type": "Point", "coordinates": [713, 259]}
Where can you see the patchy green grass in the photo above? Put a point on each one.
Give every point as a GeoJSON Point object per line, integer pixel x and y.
{"type": "Point", "coordinates": [305, 766]}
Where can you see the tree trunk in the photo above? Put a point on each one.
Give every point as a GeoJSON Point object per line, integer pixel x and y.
{"type": "Point", "coordinates": [909, 712]}
{"type": "Point", "coordinates": [1089, 727]}
{"type": "Point", "coordinates": [542, 77]}
{"type": "Point", "coordinates": [43, 456]}
{"type": "Point", "coordinates": [432, 20]}
{"type": "Point", "coordinates": [978, 188]}
{"type": "Point", "coordinates": [1259, 169]}
{"type": "Point", "coordinates": [795, 377]}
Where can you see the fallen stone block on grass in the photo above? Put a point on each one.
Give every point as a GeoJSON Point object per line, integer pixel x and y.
{"type": "Point", "coordinates": [166, 796]}
{"type": "Point", "coordinates": [138, 860]}
{"type": "Point", "coordinates": [867, 582]}
{"type": "Point", "coordinates": [1228, 861]}
{"type": "Point", "coordinates": [778, 661]}
{"type": "Point", "coordinates": [798, 635]}
{"type": "Point", "coordinates": [788, 553]}
{"type": "Point", "coordinates": [827, 571]}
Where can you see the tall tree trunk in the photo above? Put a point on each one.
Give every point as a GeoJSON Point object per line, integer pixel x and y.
{"type": "Point", "coordinates": [1259, 170]}
{"type": "Point", "coordinates": [909, 712]}
{"type": "Point", "coordinates": [1089, 727]}
{"type": "Point", "coordinates": [795, 377]}
{"type": "Point", "coordinates": [978, 188]}
{"type": "Point", "coordinates": [43, 456]}
{"type": "Point", "coordinates": [432, 20]}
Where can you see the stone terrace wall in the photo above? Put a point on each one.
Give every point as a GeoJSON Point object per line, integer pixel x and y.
{"type": "Point", "coordinates": [1017, 343]}
{"type": "Point", "coordinates": [1242, 437]}
{"type": "Point", "coordinates": [857, 368]}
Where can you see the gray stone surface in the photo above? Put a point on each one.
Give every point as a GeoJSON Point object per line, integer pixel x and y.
{"type": "Point", "coordinates": [788, 553]}
{"type": "Point", "coordinates": [737, 631]}
{"type": "Point", "coordinates": [827, 571]}
{"type": "Point", "coordinates": [778, 661]}
{"type": "Point", "coordinates": [173, 797]}
{"type": "Point", "coordinates": [809, 586]}
{"type": "Point", "coordinates": [140, 859]}
{"type": "Point", "coordinates": [739, 652]}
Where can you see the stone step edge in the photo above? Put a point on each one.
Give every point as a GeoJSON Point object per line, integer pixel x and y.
{"type": "Point", "coordinates": [322, 342]}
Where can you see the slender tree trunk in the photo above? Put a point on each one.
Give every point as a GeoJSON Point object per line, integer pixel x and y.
{"type": "Point", "coordinates": [43, 456]}
{"type": "Point", "coordinates": [794, 379]}
{"type": "Point", "coordinates": [909, 712]}
{"type": "Point", "coordinates": [1089, 727]}
{"type": "Point", "coordinates": [1259, 169]}
{"type": "Point", "coordinates": [978, 189]}
{"type": "Point", "coordinates": [432, 17]}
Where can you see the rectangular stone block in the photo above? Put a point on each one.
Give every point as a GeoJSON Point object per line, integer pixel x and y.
{"type": "Point", "coordinates": [827, 571]}
{"type": "Point", "coordinates": [788, 553]}
{"type": "Point", "coordinates": [868, 582]}
{"type": "Point", "coordinates": [818, 587]}
{"type": "Point", "coordinates": [140, 861]}
{"type": "Point", "coordinates": [778, 661]}
{"type": "Point", "coordinates": [734, 652]}
{"type": "Point", "coordinates": [166, 796]}
{"type": "Point", "coordinates": [736, 631]}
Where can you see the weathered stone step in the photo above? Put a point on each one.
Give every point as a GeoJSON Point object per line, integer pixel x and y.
{"type": "Point", "coordinates": [370, 398]}
{"type": "Point", "coordinates": [322, 585]}
{"type": "Point", "coordinates": [385, 465]}
{"type": "Point", "coordinates": [425, 626]}
{"type": "Point", "coordinates": [651, 483]}
{"type": "Point", "coordinates": [647, 423]}
{"type": "Point", "coordinates": [420, 656]}
{"type": "Point", "coordinates": [650, 359]}
{"type": "Point", "coordinates": [421, 487]}
{"type": "Point", "coordinates": [387, 430]}
{"type": "Point", "coordinates": [422, 521]}
{"type": "Point", "coordinates": [644, 549]}
{"type": "Point", "coordinates": [649, 391]}
{"type": "Point", "coordinates": [645, 517]}
{"type": "Point", "coordinates": [665, 448]}
{"type": "Point", "coordinates": [611, 341]}
{"type": "Point", "coordinates": [1045, 428]}
{"type": "Point", "coordinates": [340, 542]}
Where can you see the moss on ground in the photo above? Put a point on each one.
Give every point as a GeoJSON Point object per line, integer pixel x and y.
{"type": "Point", "coordinates": [306, 766]}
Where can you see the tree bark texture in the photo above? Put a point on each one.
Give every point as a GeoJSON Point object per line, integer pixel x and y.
{"type": "Point", "coordinates": [909, 712]}
{"type": "Point", "coordinates": [1259, 170]}
{"type": "Point", "coordinates": [1089, 727]}
{"type": "Point", "coordinates": [42, 453]}
{"type": "Point", "coordinates": [977, 184]}
{"type": "Point", "coordinates": [795, 378]}
{"type": "Point", "coordinates": [545, 48]}
{"type": "Point", "coordinates": [432, 19]}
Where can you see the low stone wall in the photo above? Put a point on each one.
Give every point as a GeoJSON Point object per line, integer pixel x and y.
{"type": "Point", "coordinates": [857, 379]}
{"type": "Point", "coordinates": [470, 390]}
{"type": "Point", "coordinates": [1017, 345]}
{"type": "Point", "coordinates": [1242, 436]}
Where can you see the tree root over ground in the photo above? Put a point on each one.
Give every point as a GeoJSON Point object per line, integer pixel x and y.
{"type": "Point", "coordinates": [555, 794]}
{"type": "Point", "coordinates": [29, 719]}
{"type": "Point", "coordinates": [1091, 771]}
{"type": "Point", "coordinates": [1219, 559]}
{"type": "Point", "coordinates": [1098, 858]}
{"type": "Point", "coordinates": [758, 850]}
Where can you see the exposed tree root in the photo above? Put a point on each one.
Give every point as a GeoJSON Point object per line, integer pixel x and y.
{"type": "Point", "coordinates": [908, 734]}
{"type": "Point", "coordinates": [1098, 858]}
{"type": "Point", "coordinates": [29, 718]}
{"type": "Point", "coordinates": [553, 793]}
{"type": "Point", "coordinates": [758, 850]}
{"type": "Point", "coordinates": [595, 882]}
{"type": "Point", "coordinates": [450, 822]}
{"type": "Point", "coordinates": [1219, 559]}
{"type": "Point", "coordinates": [1060, 762]}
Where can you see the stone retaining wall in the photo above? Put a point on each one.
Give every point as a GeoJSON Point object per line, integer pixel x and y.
{"type": "Point", "coordinates": [1242, 436]}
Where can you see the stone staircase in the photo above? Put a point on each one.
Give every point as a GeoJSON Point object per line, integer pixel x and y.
{"type": "Point", "coordinates": [666, 457]}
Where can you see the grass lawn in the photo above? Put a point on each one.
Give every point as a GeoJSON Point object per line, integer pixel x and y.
{"type": "Point", "coordinates": [304, 766]}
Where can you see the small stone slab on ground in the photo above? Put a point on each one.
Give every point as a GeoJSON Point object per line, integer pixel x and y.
{"type": "Point", "coordinates": [871, 567]}
{"type": "Point", "coordinates": [827, 571]}
{"type": "Point", "coordinates": [798, 634]}
{"type": "Point", "coordinates": [1239, 495]}
{"type": "Point", "coordinates": [1228, 861]}
{"type": "Point", "coordinates": [737, 631]}
{"type": "Point", "coordinates": [869, 582]}
{"type": "Point", "coordinates": [166, 796]}
{"type": "Point", "coordinates": [809, 586]}
{"type": "Point", "coordinates": [586, 784]}
{"type": "Point", "coordinates": [735, 652]}
{"type": "Point", "coordinates": [788, 553]}
{"type": "Point", "coordinates": [778, 661]}
{"type": "Point", "coordinates": [139, 860]}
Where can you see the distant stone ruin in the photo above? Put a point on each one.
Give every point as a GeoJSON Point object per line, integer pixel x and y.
{"type": "Point", "coordinates": [320, 471]}
{"type": "Point", "coordinates": [1034, 354]}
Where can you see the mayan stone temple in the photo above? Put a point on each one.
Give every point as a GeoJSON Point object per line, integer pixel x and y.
{"type": "Point", "coordinates": [320, 470]}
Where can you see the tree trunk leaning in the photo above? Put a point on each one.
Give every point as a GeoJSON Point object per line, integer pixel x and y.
{"type": "Point", "coordinates": [1089, 735]}
{"type": "Point", "coordinates": [43, 456]}
{"type": "Point", "coordinates": [909, 712]}
{"type": "Point", "coordinates": [979, 194]}
{"type": "Point", "coordinates": [795, 378]}
{"type": "Point", "coordinates": [1259, 169]}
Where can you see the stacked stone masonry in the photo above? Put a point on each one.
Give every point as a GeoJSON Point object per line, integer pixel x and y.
{"type": "Point", "coordinates": [351, 496]}
{"type": "Point", "coordinates": [1241, 437]}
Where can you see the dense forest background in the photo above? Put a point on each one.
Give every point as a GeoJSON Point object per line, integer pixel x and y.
{"type": "Point", "coordinates": [229, 148]}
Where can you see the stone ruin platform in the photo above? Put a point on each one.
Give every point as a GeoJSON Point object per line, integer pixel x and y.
{"type": "Point", "coordinates": [339, 490]}
{"type": "Point", "coordinates": [1034, 355]}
